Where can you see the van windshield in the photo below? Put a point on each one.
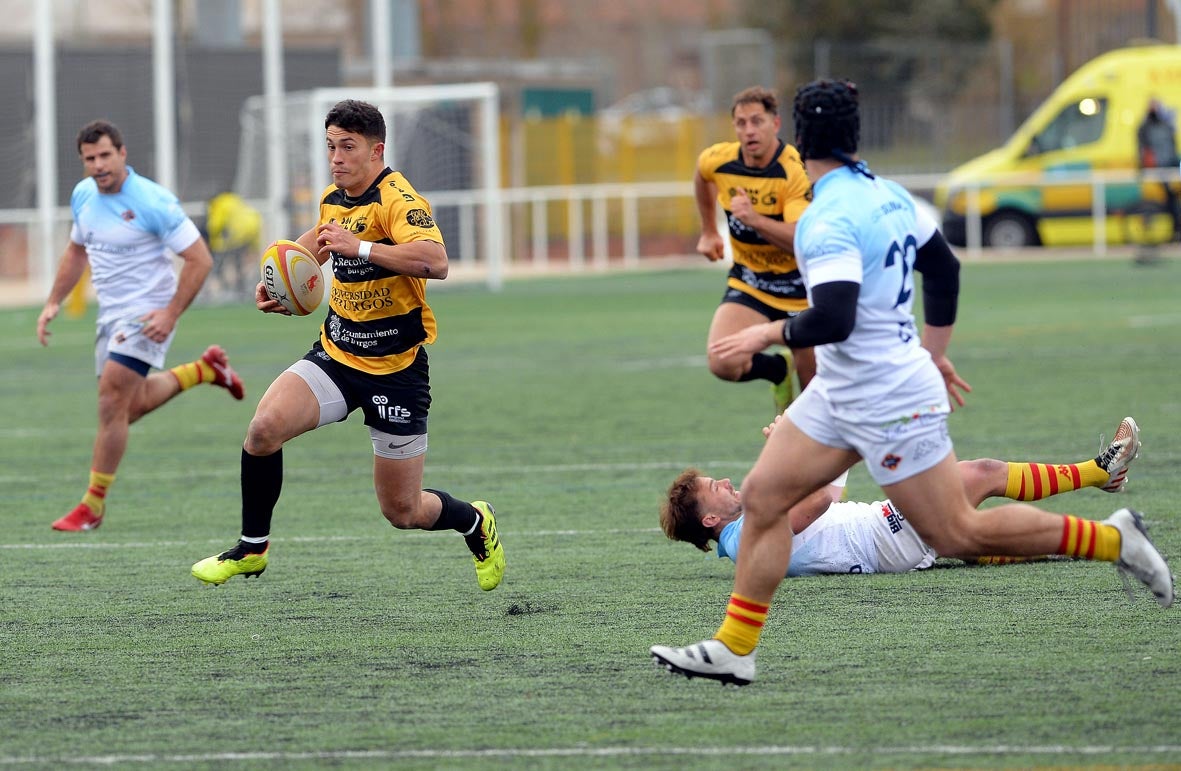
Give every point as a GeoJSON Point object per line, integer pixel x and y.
{"type": "Point", "coordinates": [1078, 124]}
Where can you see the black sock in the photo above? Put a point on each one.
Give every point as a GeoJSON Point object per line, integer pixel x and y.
{"type": "Point", "coordinates": [456, 515]}
{"type": "Point", "coordinates": [766, 367]}
{"type": "Point", "coordinates": [262, 481]}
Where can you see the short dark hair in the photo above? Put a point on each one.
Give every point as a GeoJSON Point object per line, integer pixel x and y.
{"type": "Point", "coordinates": [827, 119]}
{"type": "Point", "coordinates": [753, 95]}
{"type": "Point", "coordinates": [680, 515]}
{"type": "Point", "coordinates": [96, 130]}
{"type": "Point", "coordinates": [357, 117]}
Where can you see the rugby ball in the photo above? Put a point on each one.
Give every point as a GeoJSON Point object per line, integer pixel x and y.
{"type": "Point", "coordinates": [292, 277]}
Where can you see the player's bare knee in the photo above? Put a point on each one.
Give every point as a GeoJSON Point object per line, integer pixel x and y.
{"type": "Point", "coordinates": [265, 435]}
{"type": "Point", "coordinates": [994, 475]}
{"type": "Point", "coordinates": [112, 408]}
{"type": "Point", "coordinates": [760, 504]}
{"type": "Point", "coordinates": [983, 478]}
{"type": "Point", "coordinates": [403, 517]}
{"type": "Point", "coordinates": [725, 369]}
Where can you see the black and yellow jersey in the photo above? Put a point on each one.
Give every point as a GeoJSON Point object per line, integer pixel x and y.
{"type": "Point", "coordinates": [780, 191]}
{"type": "Point", "coordinates": [377, 319]}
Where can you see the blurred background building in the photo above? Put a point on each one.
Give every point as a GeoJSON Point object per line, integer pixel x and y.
{"type": "Point", "coordinates": [590, 93]}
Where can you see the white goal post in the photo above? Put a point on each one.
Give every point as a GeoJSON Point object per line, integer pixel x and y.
{"type": "Point", "coordinates": [444, 138]}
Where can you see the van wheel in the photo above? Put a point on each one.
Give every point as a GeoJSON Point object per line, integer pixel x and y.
{"type": "Point", "coordinates": [1009, 230]}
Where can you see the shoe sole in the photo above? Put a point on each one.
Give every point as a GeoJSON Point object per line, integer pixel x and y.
{"type": "Point", "coordinates": [1117, 481]}
{"type": "Point", "coordinates": [224, 580]}
{"type": "Point", "coordinates": [724, 678]}
{"type": "Point", "coordinates": [83, 529]}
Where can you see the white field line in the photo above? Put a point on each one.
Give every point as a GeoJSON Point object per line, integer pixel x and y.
{"type": "Point", "coordinates": [1150, 322]}
{"type": "Point", "coordinates": [231, 470]}
{"type": "Point", "coordinates": [933, 750]}
{"type": "Point", "coordinates": [319, 539]}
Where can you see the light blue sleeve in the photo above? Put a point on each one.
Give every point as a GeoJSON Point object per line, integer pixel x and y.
{"type": "Point", "coordinates": [79, 197]}
{"type": "Point", "coordinates": [164, 216]}
{"type": "Point", "coordinates": [830, 250]}
{"type": "Point", "coordinates": [728, 540]}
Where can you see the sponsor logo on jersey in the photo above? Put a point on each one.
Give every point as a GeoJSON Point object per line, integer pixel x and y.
{"type": "Point", "coordinates": [354, 226]}
{"type": "Point", "coordinates": [128, 215]}
{"type": "Point", "coordinates": [419, 218]}
{"type": "Point", "coordinates": [405, 196]}
{"type": "Point", "coordinates": [893, 517]}
{"type": "Point", "coordinates": [360, 300]}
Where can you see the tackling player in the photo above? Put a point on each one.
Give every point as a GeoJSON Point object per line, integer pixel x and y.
{"type": "Point", "coordinates": [879, 394]}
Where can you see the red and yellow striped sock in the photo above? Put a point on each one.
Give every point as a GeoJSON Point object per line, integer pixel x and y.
{"type": "Point", "coordinates": [1089, 540]}
{"type": "Point", "coordinates": [743, 624]}
{"type": "Point", "coordinates": [1034, 481]}
{"type": "Point", "coordinates": [193, 373]}
{"type": "Point", "coordinates": [96, 493]}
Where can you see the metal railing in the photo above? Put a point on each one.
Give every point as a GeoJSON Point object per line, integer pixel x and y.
{"type": "Point", "coordinates": [594, 226]}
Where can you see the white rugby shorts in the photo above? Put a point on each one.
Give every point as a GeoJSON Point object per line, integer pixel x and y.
{"type": "Point", "coordinates": [124, 335]}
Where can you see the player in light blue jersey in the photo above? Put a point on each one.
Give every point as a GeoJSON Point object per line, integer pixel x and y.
{"type": "Point", "coordinates": [881, 393]}
{"type": "Point", "coordinates": [831, 536]}
{"type": "Point", "coordinates": [125, 227]}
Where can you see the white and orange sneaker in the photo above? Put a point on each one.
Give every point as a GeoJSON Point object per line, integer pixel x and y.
{"type": "Point", "coordinates": [1117, 456]}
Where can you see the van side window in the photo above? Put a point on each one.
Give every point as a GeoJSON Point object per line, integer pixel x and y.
{"type": "Point", "coordinates": [1078, 124]}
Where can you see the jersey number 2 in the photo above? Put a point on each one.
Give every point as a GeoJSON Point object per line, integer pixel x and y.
{"type": "Point", "coordinates": [906, 255]}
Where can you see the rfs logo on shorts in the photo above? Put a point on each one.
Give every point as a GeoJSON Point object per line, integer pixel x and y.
{"type": "Point", "coordinates": [394, 414]}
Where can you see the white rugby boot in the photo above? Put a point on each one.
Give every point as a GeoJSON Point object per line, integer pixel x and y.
{"type": "Point", "coordinates": [1117, 456]}
{"type": "Point", "coordinates": [1139, 557]}
{"type": "Point", "coordinates": [709, 659]}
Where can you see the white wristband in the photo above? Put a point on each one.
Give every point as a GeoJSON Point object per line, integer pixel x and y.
{"type": "Point", "coordinates": [364, 249]}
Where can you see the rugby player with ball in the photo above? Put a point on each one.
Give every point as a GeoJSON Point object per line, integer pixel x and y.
{"type": "Point", "coordinates": [370, 356]}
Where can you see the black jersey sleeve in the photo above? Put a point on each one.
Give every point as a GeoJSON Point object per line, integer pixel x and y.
{"type": "Point", "coordinates": [941, 280]}
{"type": "Point", "coordinates": [830, 318]}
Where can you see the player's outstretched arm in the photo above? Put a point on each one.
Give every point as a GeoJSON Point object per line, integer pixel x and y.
{"type": "Point", "coordinates": [941, 289]}
{"type": "Point", "coordinates": [935, 340]}
{"type": "Point", "coordinates": [710, 243]}
{"type": "Point", "coordinates": [750, 340]}
{"type": "Point", "coordinates": [809, 510]}
{"type": "Point", "coordinates": [69, 272]}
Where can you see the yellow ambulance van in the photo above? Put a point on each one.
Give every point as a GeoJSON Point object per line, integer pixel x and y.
{"type": "Point", "coordinates": [1038, 187]}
